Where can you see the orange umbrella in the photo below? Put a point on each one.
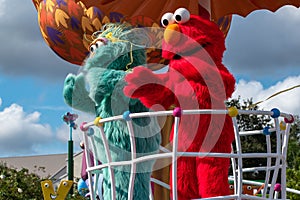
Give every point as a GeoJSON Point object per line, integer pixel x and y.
{"type": "Point", "coordinates": [221, 8]}
{"type": "Point", "coordinates": [67, 25]}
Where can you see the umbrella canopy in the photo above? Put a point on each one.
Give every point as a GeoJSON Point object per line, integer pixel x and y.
{"type": "Point", "coordinates": [220, 8]}
{"type": "Point", "coordinates": [67, 25]}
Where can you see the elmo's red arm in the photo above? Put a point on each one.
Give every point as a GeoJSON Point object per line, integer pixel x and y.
{"type": "Point", "coordinates": [151, 89]}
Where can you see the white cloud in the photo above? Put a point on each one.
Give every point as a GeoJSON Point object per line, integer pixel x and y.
{"type": "Point", "coordinates": [286, 102]}
{"type": "Point", "coordinates": [0, 101]}
{"type": "Point", "coordinates": [21, 132]}
{"type": "Point", "coordinates": [264, 45]}
{"type": "Point", "coordinates": [2, 7]}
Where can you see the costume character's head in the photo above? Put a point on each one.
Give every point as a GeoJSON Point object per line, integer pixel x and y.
{"type": "Point", "coordinates": [187, 34]}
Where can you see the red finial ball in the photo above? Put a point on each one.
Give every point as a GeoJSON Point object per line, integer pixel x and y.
{"type": "Point", "coordinates": [177, 112]}
{"type": "Point", "coordinates": [277, 187]}
{"type": "Point", "coordinates": [291, 120]}
{"type": "Point", "coordinates": [82, 128]}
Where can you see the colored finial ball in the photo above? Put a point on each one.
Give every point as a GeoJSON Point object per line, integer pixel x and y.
{"type": "Point", "coordinates": [233, 111]}
{"type": "Point", "coordinates": [266, 131]}
{"type": "Point", "coordinates": [277, 187]}
{"type": "Point", "coordinates": [126, 116]}
{"type": "Point", "coordinates": [90, 132]}
{"type": "Point", "coordinates": [290, 120]}
{"type": "Point", "coordinates": [177, 112]}
{"type": "Point", "coordinates": [97, 121]}
{"type": "Point", "coordinates": [82, 128]}
{"type": "Point", "coordinates": [276, 113]}
{"type": "Point", "coordinates": [282, 125]}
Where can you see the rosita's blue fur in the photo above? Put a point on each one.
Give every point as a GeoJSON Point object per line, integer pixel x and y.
{"type": "Point", "coordinates": [103, 73]}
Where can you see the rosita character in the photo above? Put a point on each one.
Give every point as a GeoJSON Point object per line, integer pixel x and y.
{"type": "Point", "coordinates": [115, 51]}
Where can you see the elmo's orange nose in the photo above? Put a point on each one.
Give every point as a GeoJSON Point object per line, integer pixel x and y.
{"type": "Point", "coordinates": [172, 34]}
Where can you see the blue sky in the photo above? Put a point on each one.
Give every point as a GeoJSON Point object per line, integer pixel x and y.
{"type": "Point", "coordinates": [262, 53]}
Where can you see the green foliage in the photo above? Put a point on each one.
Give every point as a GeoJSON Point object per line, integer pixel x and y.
{"type": "Point", "coordinates": [293, 159]}
{"type": "Point", "coordinates": [19, 185]}
{"type": "Point", "coordinates": [293, 153]}
{"type": "Point", "coordinates": [293, 181]}
{"type": "Point", "coordinates": [248, 122]}
{"type": "Point", "coordinates": [22, 185]}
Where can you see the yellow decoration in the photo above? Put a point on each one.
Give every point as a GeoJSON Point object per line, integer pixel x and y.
{"type": "Point", "coordinates": [90, 12]}
{"type": "Point", "coordinates": [61, 18]}
{"type": "Point", "coordinates": [233, 111]}
{"type": "Point", "coordinates": [62, 191]}
{"type": "Point", "coordinates": [105, 20]}
{"type": "Point", "coordinates": [49, 6]}
{"type": "Point", "coordinates": [97, 24]}
{"type": "Point", "coordinates": [86, 25]}
{"type": "Point", "coordinates": [96, 121]}
{"type": "Point", "coordinates": [282, 125]}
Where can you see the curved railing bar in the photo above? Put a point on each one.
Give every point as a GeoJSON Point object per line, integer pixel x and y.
{"type": "Point", "coordinates": [174, 158]}
{"type": "Point", "coordinates": [109, 160]}
{"type": "Point", "coordinates": [277, 161]}
{"type": "Point", "coordinates": [88, 162]}
{"type": "Point", "coordinates": [268, 168]}
{"type": "Point", "coordinates": [239, 158]}
{"type": "Point", "coordinates": [133, 157]}
{"type": "Point", "coordinates": [284, 153]}
{"type": "Point", "coordinates": [167, 113]}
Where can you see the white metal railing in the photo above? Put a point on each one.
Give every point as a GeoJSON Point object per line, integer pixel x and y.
{"type": "Point", "coordinates": [270, 190]}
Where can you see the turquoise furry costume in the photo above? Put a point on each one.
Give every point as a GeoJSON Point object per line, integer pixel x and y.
{"type": "Point", "coordinates": [115, 50]}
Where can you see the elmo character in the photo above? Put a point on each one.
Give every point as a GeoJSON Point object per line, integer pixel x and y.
{"type": "Point", "coordinates": [196, 79]}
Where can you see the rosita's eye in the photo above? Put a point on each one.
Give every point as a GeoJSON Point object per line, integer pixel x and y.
{"type": "Point", "coordinates": [167, 19]}
{"type": "Point", "coordinates": [101, 41]}
{"type": "Point", "coordinates": [93, 48]}
{"type": "Point", "coordinates": [99, 44]}
{"type": "Point", "coordinates": [181, 15]}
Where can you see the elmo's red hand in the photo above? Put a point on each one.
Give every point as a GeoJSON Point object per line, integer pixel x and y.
{"type": "Point", "coordinates": [151, 89]}
{"type": "Point", "coordinates": [140, 82]}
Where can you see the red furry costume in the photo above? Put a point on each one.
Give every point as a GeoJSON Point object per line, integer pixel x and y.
{"type": "Point", "coordinates": [196, 79]}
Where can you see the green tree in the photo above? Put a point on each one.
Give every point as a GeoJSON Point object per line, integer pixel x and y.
{"type": "Point", "coordinates": [22, 185]}
{"type": "Point", "coordinates": [293, 159]}
{"type": "Point", "coordinates": [19, 185]}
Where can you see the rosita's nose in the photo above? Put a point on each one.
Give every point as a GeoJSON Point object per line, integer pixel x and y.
{"type": "Point", "coordinates": [172, 34]}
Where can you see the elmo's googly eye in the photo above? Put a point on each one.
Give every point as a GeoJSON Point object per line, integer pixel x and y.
{"type": "Point", "coordinates": [181, 15]}
{"type": "Point", "coordinates": [167, 19]}
{"type": "Point", "coordinates": [249, 187]}
{"type": "Point", "coordinates": [231, 187]}
{"type": "Point", "coordinates": [93, 48]}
